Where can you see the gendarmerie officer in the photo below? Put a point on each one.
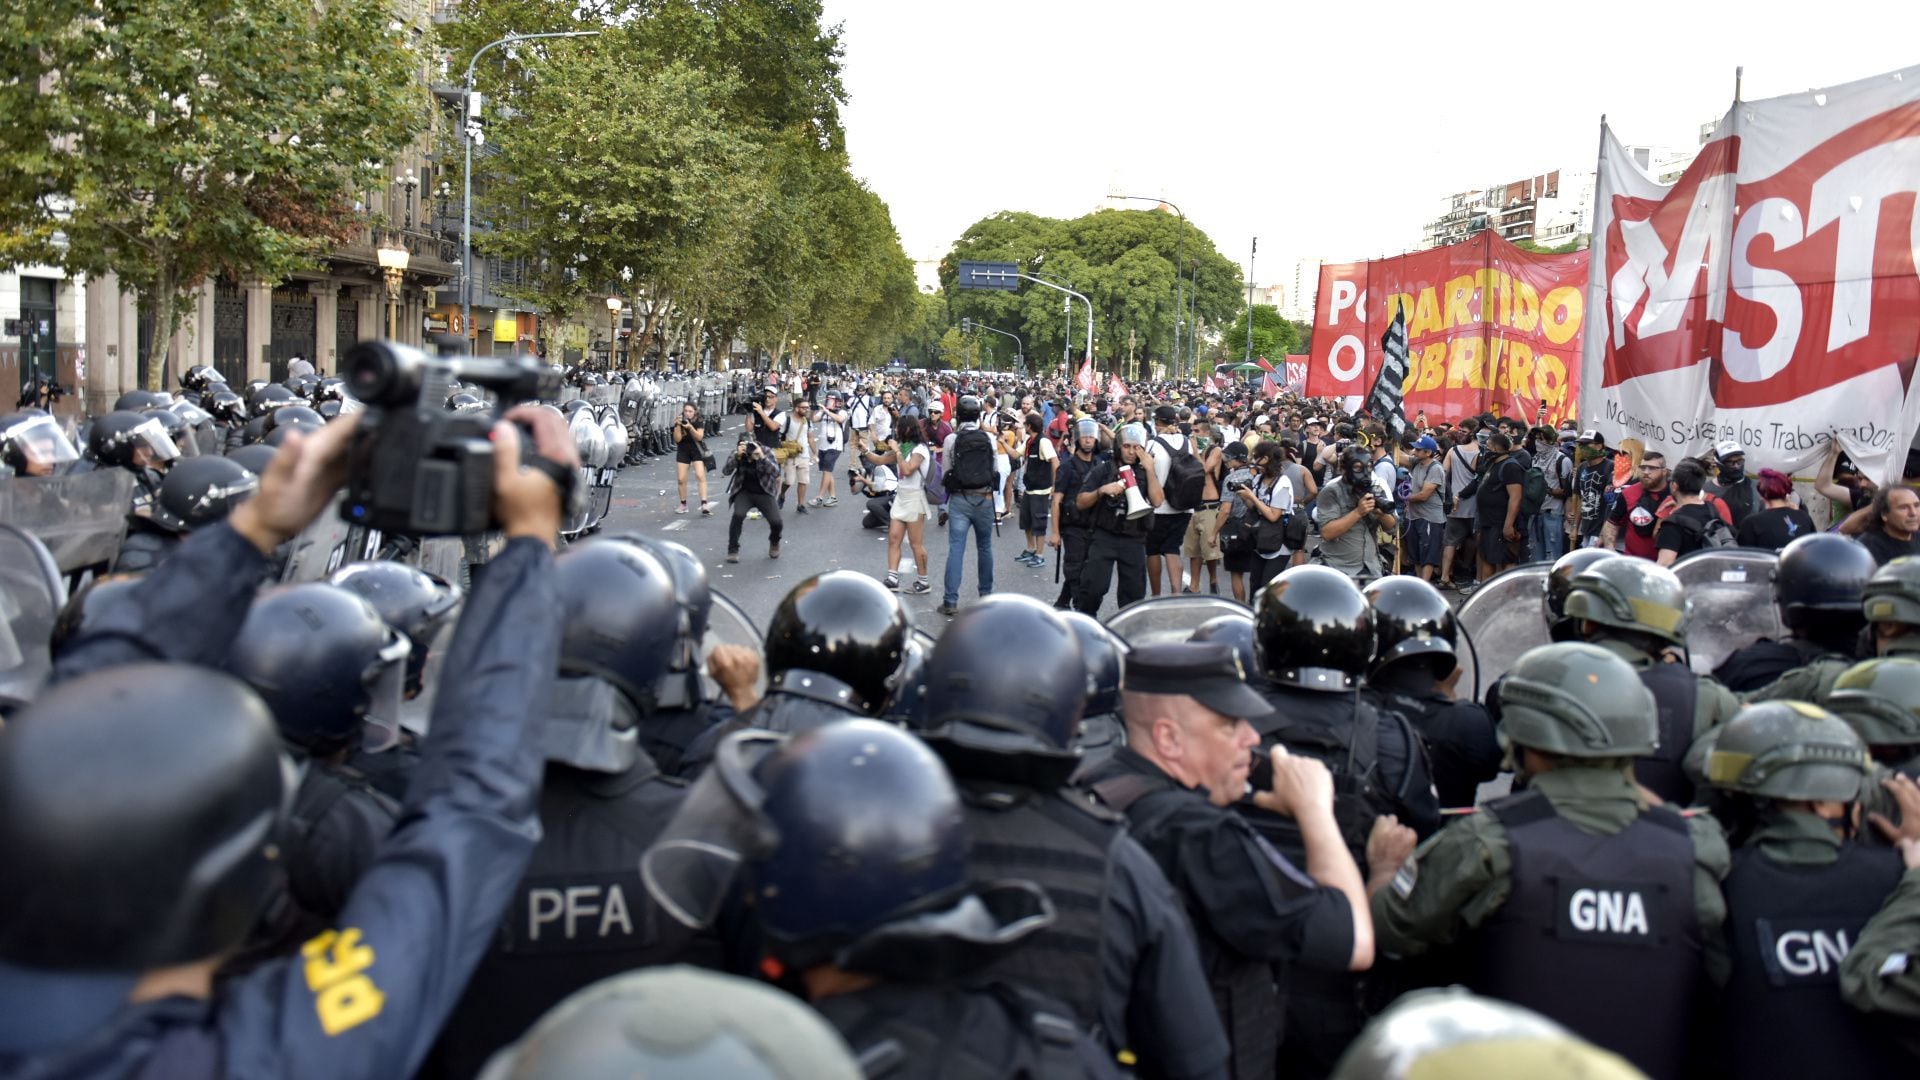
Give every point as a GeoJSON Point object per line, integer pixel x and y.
{"type": "Point", "coordinates": [1880, 700]}
{"type": "Point", "coordinates": [1005, 692]}
{"type": "Point", "coordinates": [1816, 587]}
{"type": "Point", "coordinates": [1412, 674]}
{"type": "Point", "coordinates": [1579, 898]}
{"type": "Point", "coordinates": [1638, 611]}
{"type": "Point", "coordinates": [581, 912]}
{"type": "Point", "coordinates": [1185, 765]}
{"type": "Point", "coordinates": [1881, 975]}
{"type": "Point", "coordinates": [1891, 602]}
{"type": "Point", "coordinates": [1799, 892]}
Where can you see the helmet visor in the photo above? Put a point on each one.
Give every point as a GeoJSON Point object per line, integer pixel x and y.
{"type": "Point", "coordinates": [386, 683]}
{"type": "Point", "coordinates": [153, 435]}
{"type": "Point", "coordinates": [41, 442]}
{"type": "Point", "coordinates": [690, 869]}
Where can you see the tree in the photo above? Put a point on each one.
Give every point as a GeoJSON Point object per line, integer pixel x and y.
{"type": "Point", "coordinates": [1578, 243]}
{"type": "Point", "coordinates": [1273, 336]}
{"type": "Point", "coordinates": [169, 141]}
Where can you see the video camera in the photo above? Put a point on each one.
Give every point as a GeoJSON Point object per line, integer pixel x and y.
{"type": "Point", "coordinates": [416, 467]}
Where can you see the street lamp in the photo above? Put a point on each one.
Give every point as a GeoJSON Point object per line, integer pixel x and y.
{"type": "Point", "coordinates": [393, 266]}
{"type": "Point", "coordinates": [468, 134]}
{"type": "Point", "coordinates": [613, 329]}
{"type": "Point", "coordinates": [1179, 257]}
{"type": "Point", "coordinates": [410, 183]}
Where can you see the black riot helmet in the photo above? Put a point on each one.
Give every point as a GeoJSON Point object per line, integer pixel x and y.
{"type": "Point", "coordinates": [139, 815]}
{"type": "Point", "coordinates": [1104, 656]}
{"type": "Point", "coordinates": [141, 400]}
{"type": "Point", "coordinates": [85, 608]}
{"type": "Point", "coordinates": [691, 589]}
{"type": "Point", "coordinates": [1236, 630]}
{"type": "Point", "coordinates": [324, 662]}
{"type": "Point", "coordinates": [293, 414]}
{"type": "Point", "coordinates": [1559, 585]}
{"type": "Point", "coordinates": [226, 406]}
{"type": "Point", "coordinates": [622, 621]}
{"type": "Point", "coordinates": [966, 410]}
{"type": "Point", "coordinates": [844, 625]}
{"type": "Point", "coordinates": [270, 397]}
{"type": "Point", "coordinates": [200, 491]}
{"type": "Point", "coordinates": [907, 691]}
{"type": "Point", "coordinates": [413, 602]}
{"type": "Point", "coordinates": [174, 425]}
{"type": "Point", "coordinates": [254, 458]}
{"type": "Point", "coordinates": [1007, 678]}
{"type": "Point", "coordinates": [1313, 629]}
{"type": "Point", "coordinates": [1818, 582]}
{"type": "Point", "coordinates": [1412, 624]}
{"type": "Point", "coordinates": [303, 386]}
{"type": "Point", "coordinates": [199, 377]}
{"type": "Point", "coordinates": [282, 432]}
{"type": "Point", "coordinates": [115, 438]}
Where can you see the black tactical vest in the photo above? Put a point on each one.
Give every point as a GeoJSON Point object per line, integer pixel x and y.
{"type": "Point", "coordinates": [1599, 933]}
{"type": "Point", "coordinates": [1676, 693]}
{"type": "Point", "coordinates": [1788, 928]}
{"type": "Point", "coordinates": [1342, 732]}
{"type": "Point", "coordinates": [1033, 836]}
{"type": "Point", "coordinates": [578, 915]}
{"type": "Point", "coordinates": [982, 1031]}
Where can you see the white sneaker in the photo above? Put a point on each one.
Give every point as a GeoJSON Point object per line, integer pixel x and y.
{"type": "Point", "coordinates": [831, 501]}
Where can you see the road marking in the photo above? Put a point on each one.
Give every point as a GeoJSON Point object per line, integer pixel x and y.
{"type": "Point", "coordinates": [674, 526]}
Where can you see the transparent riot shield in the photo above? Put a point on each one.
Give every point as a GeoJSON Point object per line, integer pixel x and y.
{"type": "Point", "coordinates": [729, 624]}
{"type": "Point", "coordinates": [1730, 591]}
{"type": "Point", "coordinates": [1502, 619]}
{"type": "Point", "coordinates": [1170, 618]}
{"type": "Point", "coordinates": [32, 592]}
{"type": "Point", "coordinates": [80, 518]}
{"type": "Point", "coordinates": [323, 547]}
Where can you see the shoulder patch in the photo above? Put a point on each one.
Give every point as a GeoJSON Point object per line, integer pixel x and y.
{"type": "Point", "coordinates": [1405, 878]}
{"type": "Point", "coordinates": [344, 997]}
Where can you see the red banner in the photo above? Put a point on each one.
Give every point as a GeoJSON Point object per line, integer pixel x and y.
{"type": "Point", "coordinates": [1489, 328]}
{"type": "Point", "coordinates": [1297, 374]}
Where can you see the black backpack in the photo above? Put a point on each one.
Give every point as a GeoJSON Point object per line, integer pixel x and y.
{"type": "Point", "coordinates": [972, 462]}
{"type": "Point", "coordinates": [1186, 485]}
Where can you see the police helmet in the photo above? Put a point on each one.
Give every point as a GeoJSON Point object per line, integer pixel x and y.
{"type": "Point", "coordinates": [293, 414]}
{"type": "Point", "coordinates": [464, 401]}
{"type": "Point", "coordinates": [1313, 629]}
{"type": "Point", "coordinates": [1892, 594]}
{"type": "Point", "coordinates": [34, 445]}
{"type": "Point", "coordinates": [1104, 656]}
{"type": "Point", "coordinates": [1578, 701]}
{"type": "Point", "coordinates": [1821, 573]}
{"type": "Point", "coordinates": [906, 703]}
{"type": "Point", "coordinates": [330, 410]}
{"type": "Point", "coordinates": [691, 589]}
{"type": "Point", "coordinates": [1636, 595]}
{"type": "Point", "coordinates": [1236, 630]}
{"type": "Point", "coordinates": [331, 388]}
{"type": "Point", "coordinates": [677, 1023]}
{"type": "Point", "coordinates": [413, 602]}
{"type": "Point", "coordinates": [254, 458]}
{"type": "Point", "coordinates": [269, 397]}
{"type": "Point", "coordinates": [1434, 1034]}
{"type": "Point", "coordinates": [1880, 698]}
{"type": "Point", "coordinates": [966, 410]}
{"type": "Point", "coordinates": [319, 656]}
{"type": "Point", "coordinates": [876, 805]}
{"type": "Point", "coordinates": [199, 377]}
{"type": "Point", "coordinates": [1788, 750]}
{"type": "Point", "coordinates": [844, 625]}
{"type": "Point", "coordinates": [140, 400]}
{"type": "Point", "coordinates": [200, 491]}
{"type": "Point", "coordinates": [1412, 623]}
{"type": "Point", "coordinates": [1559, 585]}
{"type": "Point", "coordinates": [622, 621]}
{"type": "Point", "coordinates": [139, 816]}
{"type": "Point", "coordinates": [226, 407]}
{"type": "Point", "coordinates": [303, 386]}
{"type": "Point", "coordinates": [1007, 677]}
{"type": "Point", "coordinates": [116, 437]}
{"type": "Point", "coordinates": [85, 608]}
{"type": "Point", "coordinates": [282, 432]}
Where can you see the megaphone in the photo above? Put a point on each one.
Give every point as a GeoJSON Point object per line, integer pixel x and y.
{"type": "Point", "coordinates": [1137, 505]}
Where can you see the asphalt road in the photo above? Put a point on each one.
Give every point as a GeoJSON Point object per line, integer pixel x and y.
{"type": "Point", "coordinates": [822, 539]}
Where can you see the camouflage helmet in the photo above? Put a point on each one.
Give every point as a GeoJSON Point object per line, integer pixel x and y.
{"type": "Point", "coordinates": [1788, 750]}
{"type": "Point", "coordinates": [1892, 594]}
{"type": "Point", "coordinates": [1880, 699]}
{"type": "Point", "coordinates": [1579, 701]}
{"type": "Point", "coordinates": [1456, 1033]}
{"type": "Point", "coordinates": [1631, 594]}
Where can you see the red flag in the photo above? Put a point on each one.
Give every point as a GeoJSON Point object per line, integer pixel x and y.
{"type": "Point", "coordinates": [1084, 380]}
{"type": "Point", "coordinates": [1269, 387]}
{"type": "Point", "coordinates": [1115, 388]}
{"type": "Point", "coordinates": [1264, 365]}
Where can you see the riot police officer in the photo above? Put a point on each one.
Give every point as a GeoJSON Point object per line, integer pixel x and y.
{"type": "Point", "coordinates": [1800, 889]}
{"type": "Point", "coordinates": [1880, 700]}
{"type": "Point", "coordinates": [891, 945]}
{"type": "Point", "coordinates": [1412, 672]}
{"type": "Point", "coordinates": [1102, 729]}
{"type": "Point", "coordinates": [1891, 603]}
{"type": "Point", "coordinates": [1637, 610]}
{"type": "Point", "coordinates": [580, 912]}
{"type": "Point", "coordinates": [1577, 898]}
{"type": "Point", "coordinates": [419, 607]}
{"type": "Point", "coordinates": [1559, 585]}
{"type": "Point", "coordinates": [1817, 588]}
{"type": "Point", "coordinates": [197, 492]}
{"type": "Point", "coordinates": [1005, 693]}
{"type": "Point", "coordinates": [1185, 765]}
{"type": "Point", "coordinates": [134, 442]}
{"type": "Point", "coordinates": [107, 961]}
{"type": "Point", "coordinates": [32, 444]}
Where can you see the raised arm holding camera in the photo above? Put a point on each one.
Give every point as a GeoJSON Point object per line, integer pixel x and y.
{"type": "Point", "coordinates": [753, 483]}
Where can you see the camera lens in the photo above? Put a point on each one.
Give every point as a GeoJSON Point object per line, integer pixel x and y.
{"type": "Point", "coordinates": [382, 373]}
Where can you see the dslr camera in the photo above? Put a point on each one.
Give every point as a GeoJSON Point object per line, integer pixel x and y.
{"type": "Point", "coordinates": [416, 467]}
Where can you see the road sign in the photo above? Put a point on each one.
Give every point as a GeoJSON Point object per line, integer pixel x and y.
{"type": "Point", "coordinates": [990, 275]}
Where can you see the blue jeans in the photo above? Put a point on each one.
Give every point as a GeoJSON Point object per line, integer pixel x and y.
{"type": "Point", "coordinates": [1547, 535]}
{"type": "Point", "coordinates": [969, 512]}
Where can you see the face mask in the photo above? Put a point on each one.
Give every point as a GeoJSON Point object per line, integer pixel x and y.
{"type": "Point", "coordinates": [1203, 442]}
{"type": "Point", "coordinates": [1732, 474]}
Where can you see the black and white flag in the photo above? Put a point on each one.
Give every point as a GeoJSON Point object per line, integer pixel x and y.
{"type": "Point", "coordinates": [1385, 403]}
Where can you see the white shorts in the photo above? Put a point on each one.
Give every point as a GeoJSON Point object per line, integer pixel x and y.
{"type": "Point", "coordinates": [798, 471]}
{"type": "Point", "coordinates": [909, 504]}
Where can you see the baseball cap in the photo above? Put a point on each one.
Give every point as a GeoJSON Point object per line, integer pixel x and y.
{"type": "Point", "coordinates": [1166, 414]}
{"type": "Point", "coordinates": [1207, 671]}
{"type": "Point", "coordinates": [936, 406]}
{"type": "Point", "coordinates": [1592, 435]}
{"type": "Point", "coordinates": [1425, 442]}
{"type": "Point", "coordinates": [1728, 449]}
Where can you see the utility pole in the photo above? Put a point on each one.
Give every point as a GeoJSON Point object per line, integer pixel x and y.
{"type": "Point", "coordinates": [1250, 255]}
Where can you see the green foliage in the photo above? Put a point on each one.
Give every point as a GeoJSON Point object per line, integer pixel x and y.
{"type": "Point", "coordinates": [168, 141]}
{"type": "Point", "coordinates": [1576, 244]}
{"type": "Point", "coordinates": [1273, 336]}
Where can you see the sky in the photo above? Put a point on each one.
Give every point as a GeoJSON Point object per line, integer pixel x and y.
{"type": "Point", "coordinates": [1328, 130]}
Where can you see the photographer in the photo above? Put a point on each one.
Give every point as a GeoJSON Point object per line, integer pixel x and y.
{"type": "Point", "coordinates": [107, 963]}
{"type": "Point", "coordinates": [767, 420]}
{"type": "Point", "coordinates": [1267, 495]}
{"type": "Point", "coordinates": [753, 481]}
{"type": "Point", "coordinates": [1348, 509]}
{"type": "Point", "coordinates": [690, 452]}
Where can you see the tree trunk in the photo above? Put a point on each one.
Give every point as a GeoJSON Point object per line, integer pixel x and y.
{"type": "Point", "coordinates": [167, 310]}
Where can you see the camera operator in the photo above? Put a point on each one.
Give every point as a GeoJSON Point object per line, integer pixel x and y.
{"type": "Point", "coordinates": [1347, 509]}
{"type": "Point", "coordinates": [690, 453]}
{"type": "Point", "coordinates": [107, 961]}
{"type": "Point", "coordinates": [753, 482]}
{"type": "Point", "coordinates": [767, 419]}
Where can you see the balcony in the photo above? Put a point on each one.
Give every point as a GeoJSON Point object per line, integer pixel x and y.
{"type": "Point", "coordinates": [445, 11]}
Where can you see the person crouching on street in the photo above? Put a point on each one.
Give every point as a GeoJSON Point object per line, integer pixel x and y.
{"type": "Point", "coordinates": [753, 480]}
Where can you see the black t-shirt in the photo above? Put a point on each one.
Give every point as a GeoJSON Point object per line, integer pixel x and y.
{"type": "Point", "coordinates": [1490, 500]}
{"type": "Point", "coordinates": [1690, 534]}
{"type": "Point", "coordinates": [1109, 512]}
{"type": "Point", "coordinates": [1775, 527]}
{"type": "Point", "coordinates": [1885, 548]}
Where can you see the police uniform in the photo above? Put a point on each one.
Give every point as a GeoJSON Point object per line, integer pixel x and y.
{"type": "Point", "coordinates": [1573, 893]}
{"type": "Point", "coordinates": [1688, 706]}
{"type": "Point", "coordinates": [1811, 681]}
{"type": "Point", "coordinates": [1115, 542]}
{"type": "Point", "coordinates": [367, 997]}
{"type": "Point", "coordinates": [902, 1031]}
{"type": "Point", "coordinates": [1075, 524]}
{"type": "Point", "coordinates": [797, 700]}
{"type": "Point", "coordinates": [1752, 667]}
{"type": "Point", "coordinates": [1458, 735]}
{"type": "Point", "coordinates": [1881, 974]}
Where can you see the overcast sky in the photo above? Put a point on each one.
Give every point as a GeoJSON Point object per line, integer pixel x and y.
{"type": "Point", "coordinates": [1326, 129]}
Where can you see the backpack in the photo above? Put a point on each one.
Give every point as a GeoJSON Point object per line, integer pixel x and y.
{"type": "Point", "coordinates": [1715, 534]}
{"type": "Point", "coordinates": [1186, 485]}
{"type": "Point", "coordinates": [1533, 491]}
{"type": "Point", "coordinates": [972, 461]}
{"type": "Point", "coordinates": [936, 482]}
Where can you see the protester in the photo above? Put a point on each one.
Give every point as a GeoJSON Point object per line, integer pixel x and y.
{"type": "Point", "coordinates": [1201, 546]}
{"type": "Point", "coordinates": [1426, 514]}
{"type": "Point", "coordinates": [829, 435]}
{"type": "Point", "coordinates": [967, 466]}
{"type": "Point", "coordinates": [1692, 524]}
{"type": "Point", "coordinates": [1778, 521]}
{"type": "Point", "coordinates": [1036, 504]}
{"type": "Point", "coordinates": [1169, 525]}
{"type": "Point", "coordinates": [690, 454]}
{"type": "Point", "coordinates": [1462, 459]}
{"type": "Point", "coordinates": [908, 518]}
{"type": "Point", "coordinates": [1890, 527]}
{"type": "Point", "coordinates": [752, 482]}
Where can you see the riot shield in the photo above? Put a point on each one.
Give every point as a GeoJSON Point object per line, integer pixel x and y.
{"type": "Point", "coordinates": [320, 548]}
{"type": "Point", "coordinates": [442, 556]}
{"type": "Point", "coordinates": [1730, 591]}
{"type": "Point", "coordinates": [32, 592]}
{"type": "Point", "coordinates": [1502, 619]}
{"type": "Point", "coordinates": [1170, 618]}
{"type": "Point", "coordinates": [80, 518]}
{"type": "Point", "coordinates": [729, 624]}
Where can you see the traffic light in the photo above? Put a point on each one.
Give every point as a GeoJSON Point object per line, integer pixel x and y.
{"type": "Point", "coordinates": [966, 326]}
